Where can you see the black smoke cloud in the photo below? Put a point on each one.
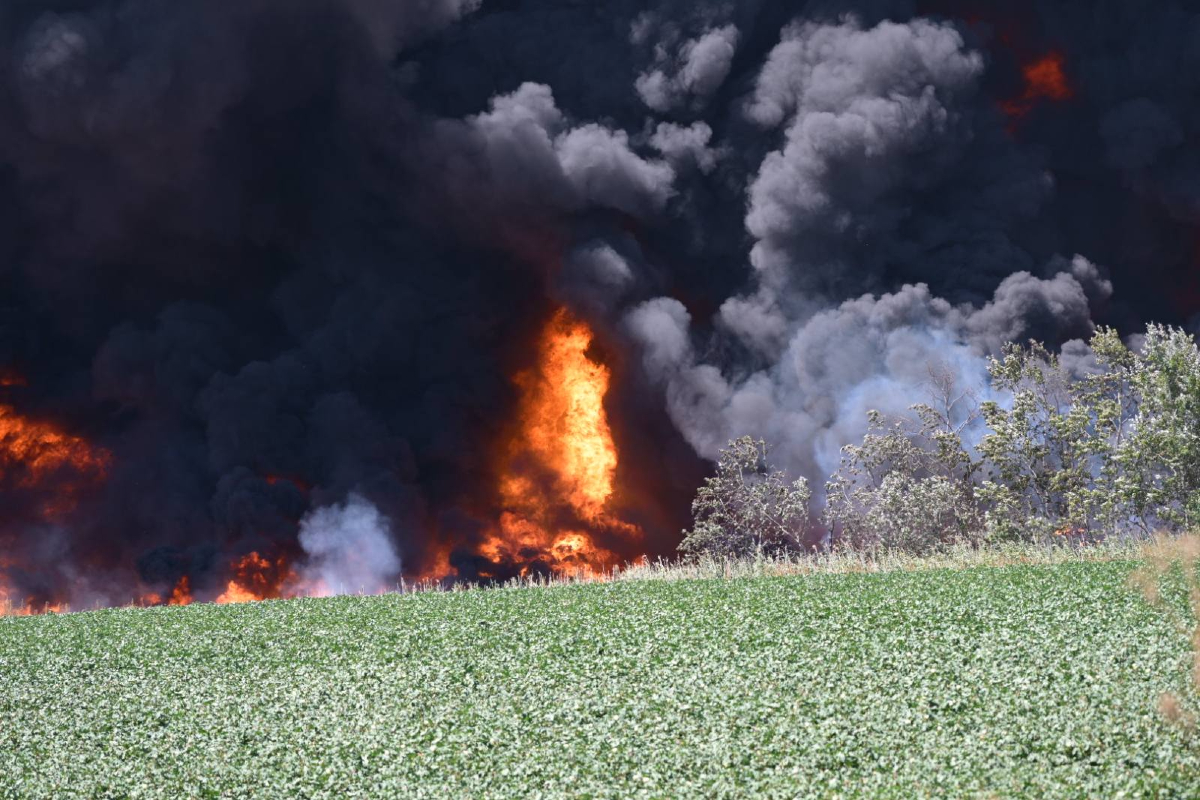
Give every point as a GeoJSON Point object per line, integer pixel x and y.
{"type": "Point", "coordinates": [282, 259]}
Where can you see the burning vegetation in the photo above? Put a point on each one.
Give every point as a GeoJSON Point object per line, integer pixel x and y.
{"type": "Point", "coordinates": [558, 469]}
{"type": "Point", "coordinates": [257, 578]}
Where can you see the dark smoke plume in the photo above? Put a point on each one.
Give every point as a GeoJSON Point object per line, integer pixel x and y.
{"type": "Point", "coordinates": [279, 261]}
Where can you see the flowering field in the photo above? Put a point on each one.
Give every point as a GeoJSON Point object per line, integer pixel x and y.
{"type": "Point", "coordinates": [1037, 681]}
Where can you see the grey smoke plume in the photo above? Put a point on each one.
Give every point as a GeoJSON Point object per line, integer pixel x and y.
{"type": "Point", "coordinates": [873, 119]}
{"type": "Point", "coordinates": [393, 24]}
{"type": "Point", "coordinates": [349, 549]}
{"type": "Point", "coordinates": [690, 75]}
{"type": "Point", "coordinates": [873, 352]}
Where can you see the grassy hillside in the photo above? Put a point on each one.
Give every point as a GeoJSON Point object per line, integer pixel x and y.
{"type": "Point", "coordinates": [1037, 681]}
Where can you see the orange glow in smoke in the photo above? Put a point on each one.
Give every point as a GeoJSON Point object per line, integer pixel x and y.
{"type": "Point", "coordinates": [1045, 79]}
{"type": "Point", "coordinates": [558, 473]}
{"type": "Point", "coordinates": [275, 480]}
{"type": "Point", "coordinates": [255, 578]}
{"type": "Point", "coordinates": [34, 451]}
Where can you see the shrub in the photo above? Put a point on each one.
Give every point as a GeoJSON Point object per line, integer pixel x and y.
{"type": "Point", "coordinates": [747, 507]}
{"type": "Point", "coordinates": [910, 484]}
{"type": "Point", "coordinates": [1037, 455]}
{"type": "Point", "coordinates": [1158, 460]}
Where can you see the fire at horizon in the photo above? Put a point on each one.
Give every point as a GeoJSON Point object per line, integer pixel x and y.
{"type": "Point", "coordinates": [40, 458]}
{"type": "Point", "coordinates": [557, 476]}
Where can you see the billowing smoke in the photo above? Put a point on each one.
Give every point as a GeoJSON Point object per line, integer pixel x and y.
{"type": "Point", "coordinates": [872, 352]}
{"type": "Point", "coordinates": [256, 259]}
{"type": "Point", "coordinates": [348, 549]}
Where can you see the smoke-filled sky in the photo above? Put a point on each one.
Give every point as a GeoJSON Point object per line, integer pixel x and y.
{"type": "Point", "coordinates": [276, 262]}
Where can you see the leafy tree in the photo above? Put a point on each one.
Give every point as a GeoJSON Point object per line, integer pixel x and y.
{"type": "Point", "coordinates": [910, 484]}
{"type": "Point", "coordinates": [1114, 449]}
{"type": "Point", "coordinates": [1037, 457]}
{"type": "Point", "coordinates": [1158, 460]}
{"type": "Point", "coordinates": [1109, 446]}
{"type": "Point", "coordinates": [747, 507]}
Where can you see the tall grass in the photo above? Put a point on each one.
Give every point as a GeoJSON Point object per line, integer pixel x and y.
{"type": "Point", "coordinates": [954, 557]}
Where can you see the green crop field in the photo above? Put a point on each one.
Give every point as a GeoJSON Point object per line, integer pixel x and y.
{"type": "Point", "coordinates": [1033, 681]}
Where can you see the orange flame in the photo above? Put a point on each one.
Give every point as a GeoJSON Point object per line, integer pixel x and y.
{"type": "Point", "coordinates": [30, 608]}
{"type": "Point", "coordinates": [14, 606]}
{"type": "Point", "coordinates": [32, 453]}
{"type": "Point", "coordinates": [1045, 79]}
{"type": "Point", "coordinates": [37, 449]}
{"type": "Point", "coordinates": [181, 595]}
{"type": "Point", "coordinates": [255, 578]}
{"type": "Point", "coordinates": [563, 422]}
{"type": "Point", "coordinates": [561, 463]}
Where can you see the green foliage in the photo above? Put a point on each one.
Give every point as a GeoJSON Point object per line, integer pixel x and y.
{"type": "Point", "coordinates": [1159, 459]}
{"type": "Point", "coordinates": [1020, 682]}
{"type": "Point", "coordinates": [1113, 449]}
{"type": "Point", "coordinates": [747, 507]}
{"type": "Point", "coordinates": [1037, 453]}
{"type": "Point", "coordinates": [910, 485]}
{"type": "Point", "coordinates": [1107, 448]}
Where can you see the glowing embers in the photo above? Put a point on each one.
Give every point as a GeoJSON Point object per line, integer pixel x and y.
{"type": "Point", "coordinates": [1045, 80]}
{"type": "Point", "coordinates": [557, 478]}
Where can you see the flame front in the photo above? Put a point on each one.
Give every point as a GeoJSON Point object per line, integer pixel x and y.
{"type": "Point", "coordinates": [40, 458]}
{"type": "Point", "coordinates": [181, 595]}
{"type": "Point", "coordinates": [557, 481]}
{"type": "Point", "coordinates": [257, 578]}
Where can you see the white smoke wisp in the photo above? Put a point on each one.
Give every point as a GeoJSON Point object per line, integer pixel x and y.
{"type": "Point", "coordinates": [349, 549]}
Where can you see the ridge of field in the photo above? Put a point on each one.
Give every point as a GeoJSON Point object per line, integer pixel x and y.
{"type": "Point", "coordinates": [1031, 681]}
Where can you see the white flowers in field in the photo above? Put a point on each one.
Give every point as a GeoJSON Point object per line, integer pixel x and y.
{"type": "Point", "coordinates": [1034, 681]}
{"type": "Point", "coordinates": [1103, 446]}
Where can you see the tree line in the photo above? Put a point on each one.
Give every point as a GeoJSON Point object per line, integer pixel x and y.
{"type": "Point", "coordinates": [1108, 445]}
